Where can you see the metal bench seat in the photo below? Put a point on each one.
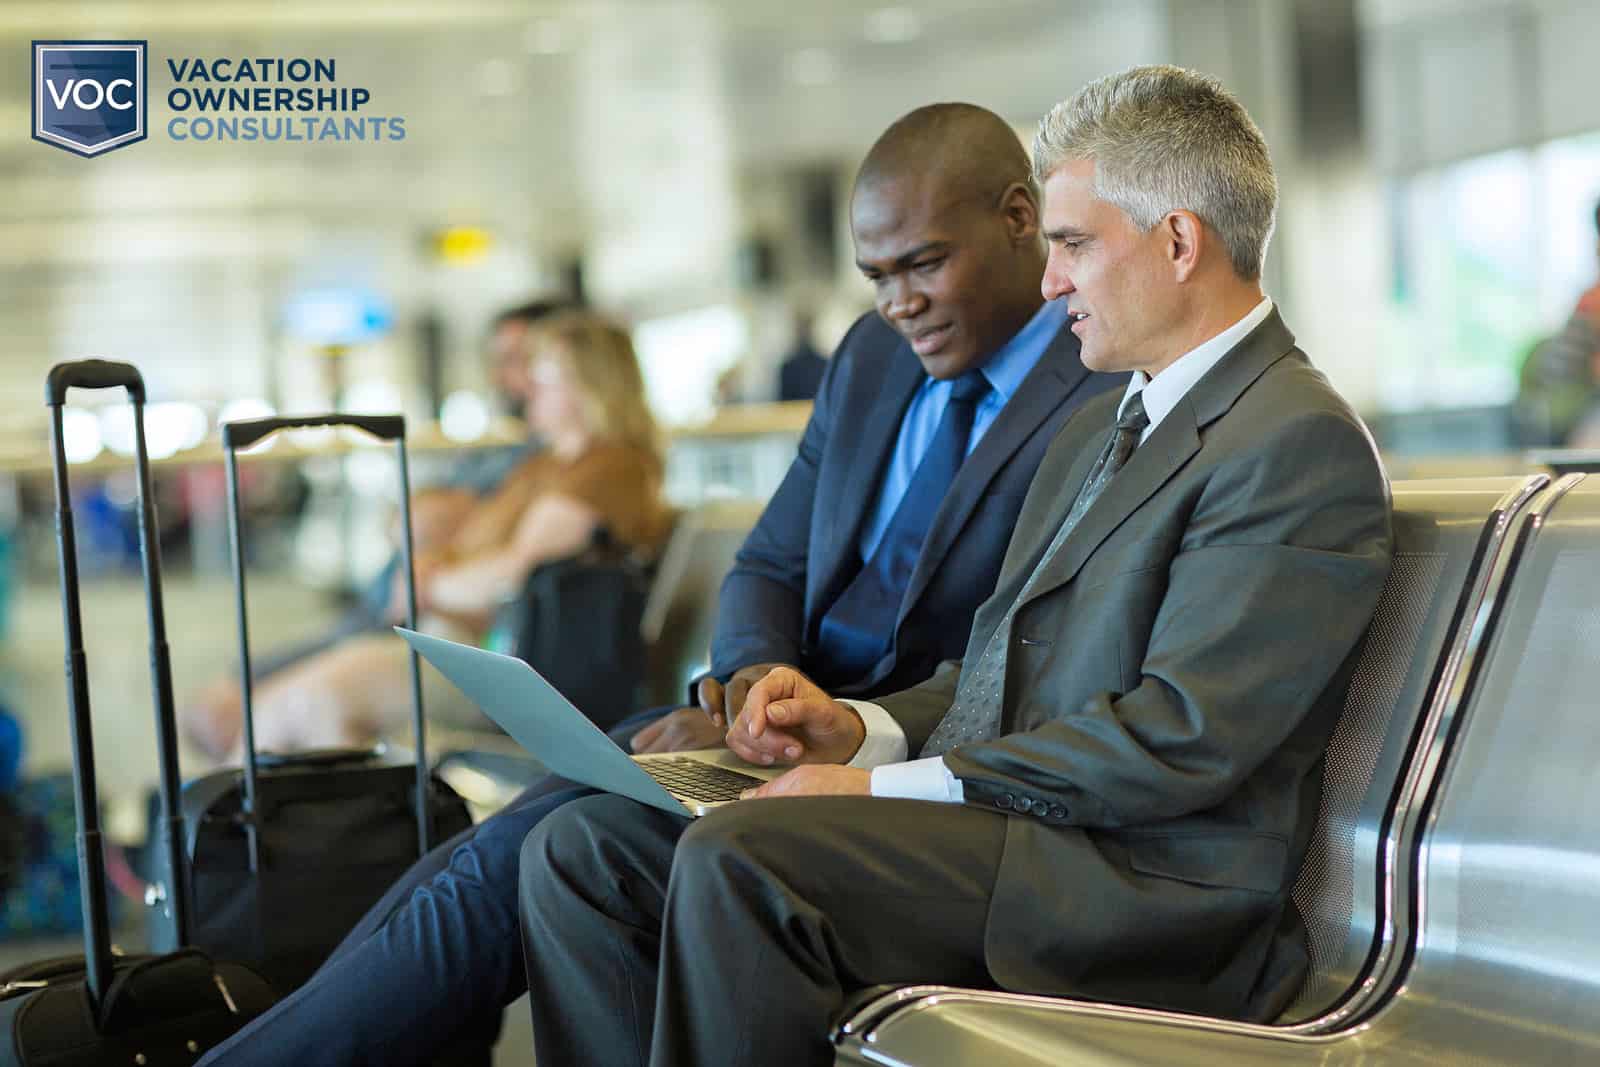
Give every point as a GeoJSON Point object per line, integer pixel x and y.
{"type": "Point", "coordinates": [1455, 546]}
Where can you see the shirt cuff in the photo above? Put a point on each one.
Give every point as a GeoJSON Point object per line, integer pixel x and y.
{"type": "Point", "coordinates": [921, 779]}
{"type": "Point", "coordinates": [885, 741]}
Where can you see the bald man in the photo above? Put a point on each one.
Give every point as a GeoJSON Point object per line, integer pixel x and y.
{"type": "Point", "coordinates": [863, 573]}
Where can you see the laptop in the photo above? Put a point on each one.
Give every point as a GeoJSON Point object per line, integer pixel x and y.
{"type": "Point", "coordinates": [561, 737]}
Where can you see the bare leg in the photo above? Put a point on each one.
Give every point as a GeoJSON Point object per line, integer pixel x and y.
{"type": "Point", "coordinates": [211, 718]}
{"type": "Point", "coordinates": [436, 514]}
{"type": "Point", "coordinates": [322, 702]}
{"type": "Point", "coordinates": [344, 697]}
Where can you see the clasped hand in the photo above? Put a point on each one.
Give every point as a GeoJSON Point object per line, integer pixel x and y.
{"type": "Point", "coordinates": [779, 716]}
{"type": "Point", "coordinates": [705, 726]}
{"type": "Point", "coordinates": [788, 718]}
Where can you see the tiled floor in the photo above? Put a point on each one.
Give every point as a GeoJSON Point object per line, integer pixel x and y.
{"type": "Point", "coordinates": [203, 639]}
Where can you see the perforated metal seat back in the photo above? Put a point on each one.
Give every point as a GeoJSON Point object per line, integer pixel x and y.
{"type": "Point", "coordinates": [1505, 970]}
{"type": "Point", "coordinates": [1438, 526]}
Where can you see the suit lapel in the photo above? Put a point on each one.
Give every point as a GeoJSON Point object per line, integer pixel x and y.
{"type": "Point", "coordinates": [1164, 453]}
{"type": "Point", "coordinates": [1151, 464]}
{"type": "Point", "coordinates": [1040, 517]}
{"type": "Point", "coordinates": [876, 426]}
{"type": "Point", "coordinates": [1051, 381]}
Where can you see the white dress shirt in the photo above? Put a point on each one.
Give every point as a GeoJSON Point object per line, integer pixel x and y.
{"type": "Point", "coordinates": [884, 749]}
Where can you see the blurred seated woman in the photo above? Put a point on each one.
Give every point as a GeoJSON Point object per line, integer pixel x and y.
{"type": "Point", "coordinates": [600, 469]}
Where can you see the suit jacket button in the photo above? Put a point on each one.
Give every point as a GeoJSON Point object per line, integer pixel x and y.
{"type": "Point", "coordinates": [1058, 812]}
{"type": "Point", "coordinates": [1025, 805]}
{"type": "Point", "coordinates": [1005, 801]}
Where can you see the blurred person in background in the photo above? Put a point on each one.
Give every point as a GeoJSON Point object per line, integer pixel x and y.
{"type": "Point", "coordinates": [1558, 401]}
{"type": "Point", "coordinates": [211, 716]}
{"type": "Point", "coordinates": [800, 373]}
{"type": "Point", "coordinates": [437, 511]}
{"type": "Point", "coordinates": [600, 469]}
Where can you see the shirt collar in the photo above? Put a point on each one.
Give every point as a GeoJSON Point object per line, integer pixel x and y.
{"type": "Point", "coordinates": [1162, 393]}
{"type": "Point", "coordinates": [1008, 367]}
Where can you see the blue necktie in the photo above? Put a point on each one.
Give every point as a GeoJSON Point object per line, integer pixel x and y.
{"type": "Point", "coordinates": [857, 630]}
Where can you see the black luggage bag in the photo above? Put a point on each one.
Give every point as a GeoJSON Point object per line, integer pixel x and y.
{"type": "Point", "coordinates": [577, 622]}
{"type": "Point", "coordinates": [287, 853]}
{"type": "Point", "coordinates": [102, 1008]}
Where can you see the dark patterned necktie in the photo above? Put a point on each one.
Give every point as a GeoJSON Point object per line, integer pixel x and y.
{"type": "Point", "coordinates": [975, 714]}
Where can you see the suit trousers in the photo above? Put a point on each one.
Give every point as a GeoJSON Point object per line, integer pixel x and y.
{"type": "Point", "coordinates": [736, 938]}
{"type": "Point", "coordinates": [425, 975]}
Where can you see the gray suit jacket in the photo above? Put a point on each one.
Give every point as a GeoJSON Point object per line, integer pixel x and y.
{"type": "Point", "coordinates": [1172, 681]}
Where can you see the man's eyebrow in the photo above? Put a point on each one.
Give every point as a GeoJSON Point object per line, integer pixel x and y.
{"type": "Point", "coordinates": [1064, 233]}
{"type": "Point", "coordinates": [908, 258]}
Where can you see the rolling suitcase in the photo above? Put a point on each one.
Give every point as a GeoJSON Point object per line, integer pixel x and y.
{"type": "Point", "coordinates": [103, 1008]}
{"type": "Point", "coordinates": [285, 854]}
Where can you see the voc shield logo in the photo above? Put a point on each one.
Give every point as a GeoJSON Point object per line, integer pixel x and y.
{"type": "Point", "coordinates": [89, 96]}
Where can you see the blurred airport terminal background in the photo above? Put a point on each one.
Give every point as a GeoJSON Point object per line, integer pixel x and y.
{"type": "Point", "coordinates": [687, 166]}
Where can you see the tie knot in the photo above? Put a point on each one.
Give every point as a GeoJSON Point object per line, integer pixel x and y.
{"type": "Point", "coordinates": [1133, 416]}
{"type": "Point", "coordinates": [969, 388]}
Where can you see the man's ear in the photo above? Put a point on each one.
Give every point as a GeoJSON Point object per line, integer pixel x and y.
{"type": "Point", "coordinates": [1184, 236]}
{"type": "Point", "coordinates": [1020, 209]}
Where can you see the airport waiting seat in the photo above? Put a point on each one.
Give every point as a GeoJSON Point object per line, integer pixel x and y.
{"type": "Point", "coordinates": [1453, 543]}
{"type": "Point", "coordinates": [682, 604]}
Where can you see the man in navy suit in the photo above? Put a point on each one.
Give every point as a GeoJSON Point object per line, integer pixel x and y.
{"type": "Point", "coordinates": [864, 571]}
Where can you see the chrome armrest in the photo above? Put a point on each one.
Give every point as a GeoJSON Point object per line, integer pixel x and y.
{"type": "Point", "coordinates": [935, 1026]}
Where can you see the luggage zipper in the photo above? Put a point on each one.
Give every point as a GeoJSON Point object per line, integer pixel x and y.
{"type": "Point", "coordinates": [227, 998]}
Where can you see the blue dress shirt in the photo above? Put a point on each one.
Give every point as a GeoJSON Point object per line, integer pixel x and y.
{"type": "Point", "coordinates": [1005, 371]}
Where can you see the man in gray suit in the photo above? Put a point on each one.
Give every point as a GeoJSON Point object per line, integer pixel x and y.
{"type": "Point", "coordinates": [1118, 780]}
{"type": "Point", "coordinates": [864, 572]}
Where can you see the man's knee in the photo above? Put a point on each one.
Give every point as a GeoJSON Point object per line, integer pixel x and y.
{"type": "Point", "coordinates": [487, 853]}
{"type": "Point", "coordinates": [553, 840]}
{"type": "Point", "coordinates": [795, 841]}
{"type": "Point", "coordinates": [566, 839]}
{"type": "Point", "coordinates": [723, 830]}
{"type": "Point", "coordinates": [769, 829]}
{"type": "Point", "coordinates": [742, 837]}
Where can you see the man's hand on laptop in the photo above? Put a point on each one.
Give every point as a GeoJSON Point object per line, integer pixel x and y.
{"type": "Point", "coordinates": [693, 728]}
{"type": "Point", "coordinates": [679, 731]}
{"type": "Point", "coordinates": [815, 780]}
{"type": "Point", "coordinates": [721, 704]}
{"type": "Point", "coordinates": [787, 718]}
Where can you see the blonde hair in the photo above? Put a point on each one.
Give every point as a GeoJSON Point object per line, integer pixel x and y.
{"type": "Point", "coordinates": [1164, 139]}
{"type": "Point", "coordinates": [599, 353]}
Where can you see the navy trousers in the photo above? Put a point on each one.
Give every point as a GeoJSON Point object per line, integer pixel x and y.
{"type": "Point", "coordinates": [431, 966]}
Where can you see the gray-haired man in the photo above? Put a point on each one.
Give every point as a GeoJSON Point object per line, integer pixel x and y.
{"type": "Point", "coordinates": [1117, 782]}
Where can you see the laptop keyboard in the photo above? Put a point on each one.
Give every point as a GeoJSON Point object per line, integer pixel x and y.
{"type": "Point", "coordinates": [698, 780]}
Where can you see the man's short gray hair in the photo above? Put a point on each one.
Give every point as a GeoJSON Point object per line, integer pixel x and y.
{"type": "Point", "coordinates": [1165, 139]}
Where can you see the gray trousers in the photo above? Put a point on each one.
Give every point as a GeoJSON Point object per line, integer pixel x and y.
{"type": "Point", "coordinates": [735, 938]}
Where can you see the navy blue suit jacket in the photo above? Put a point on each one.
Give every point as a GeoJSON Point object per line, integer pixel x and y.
{"type": "Point", "coordinates": [804, 550]}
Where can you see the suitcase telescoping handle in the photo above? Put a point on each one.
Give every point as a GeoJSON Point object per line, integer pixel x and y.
{"type": "Point", "coordinates": [102, 374]}
{"type": "Point", "coordinates": [92, 374]}
{"type": "Point", "coordinates": [246, 432]}
{"type": "Point", "coordinates": [242, 434]}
